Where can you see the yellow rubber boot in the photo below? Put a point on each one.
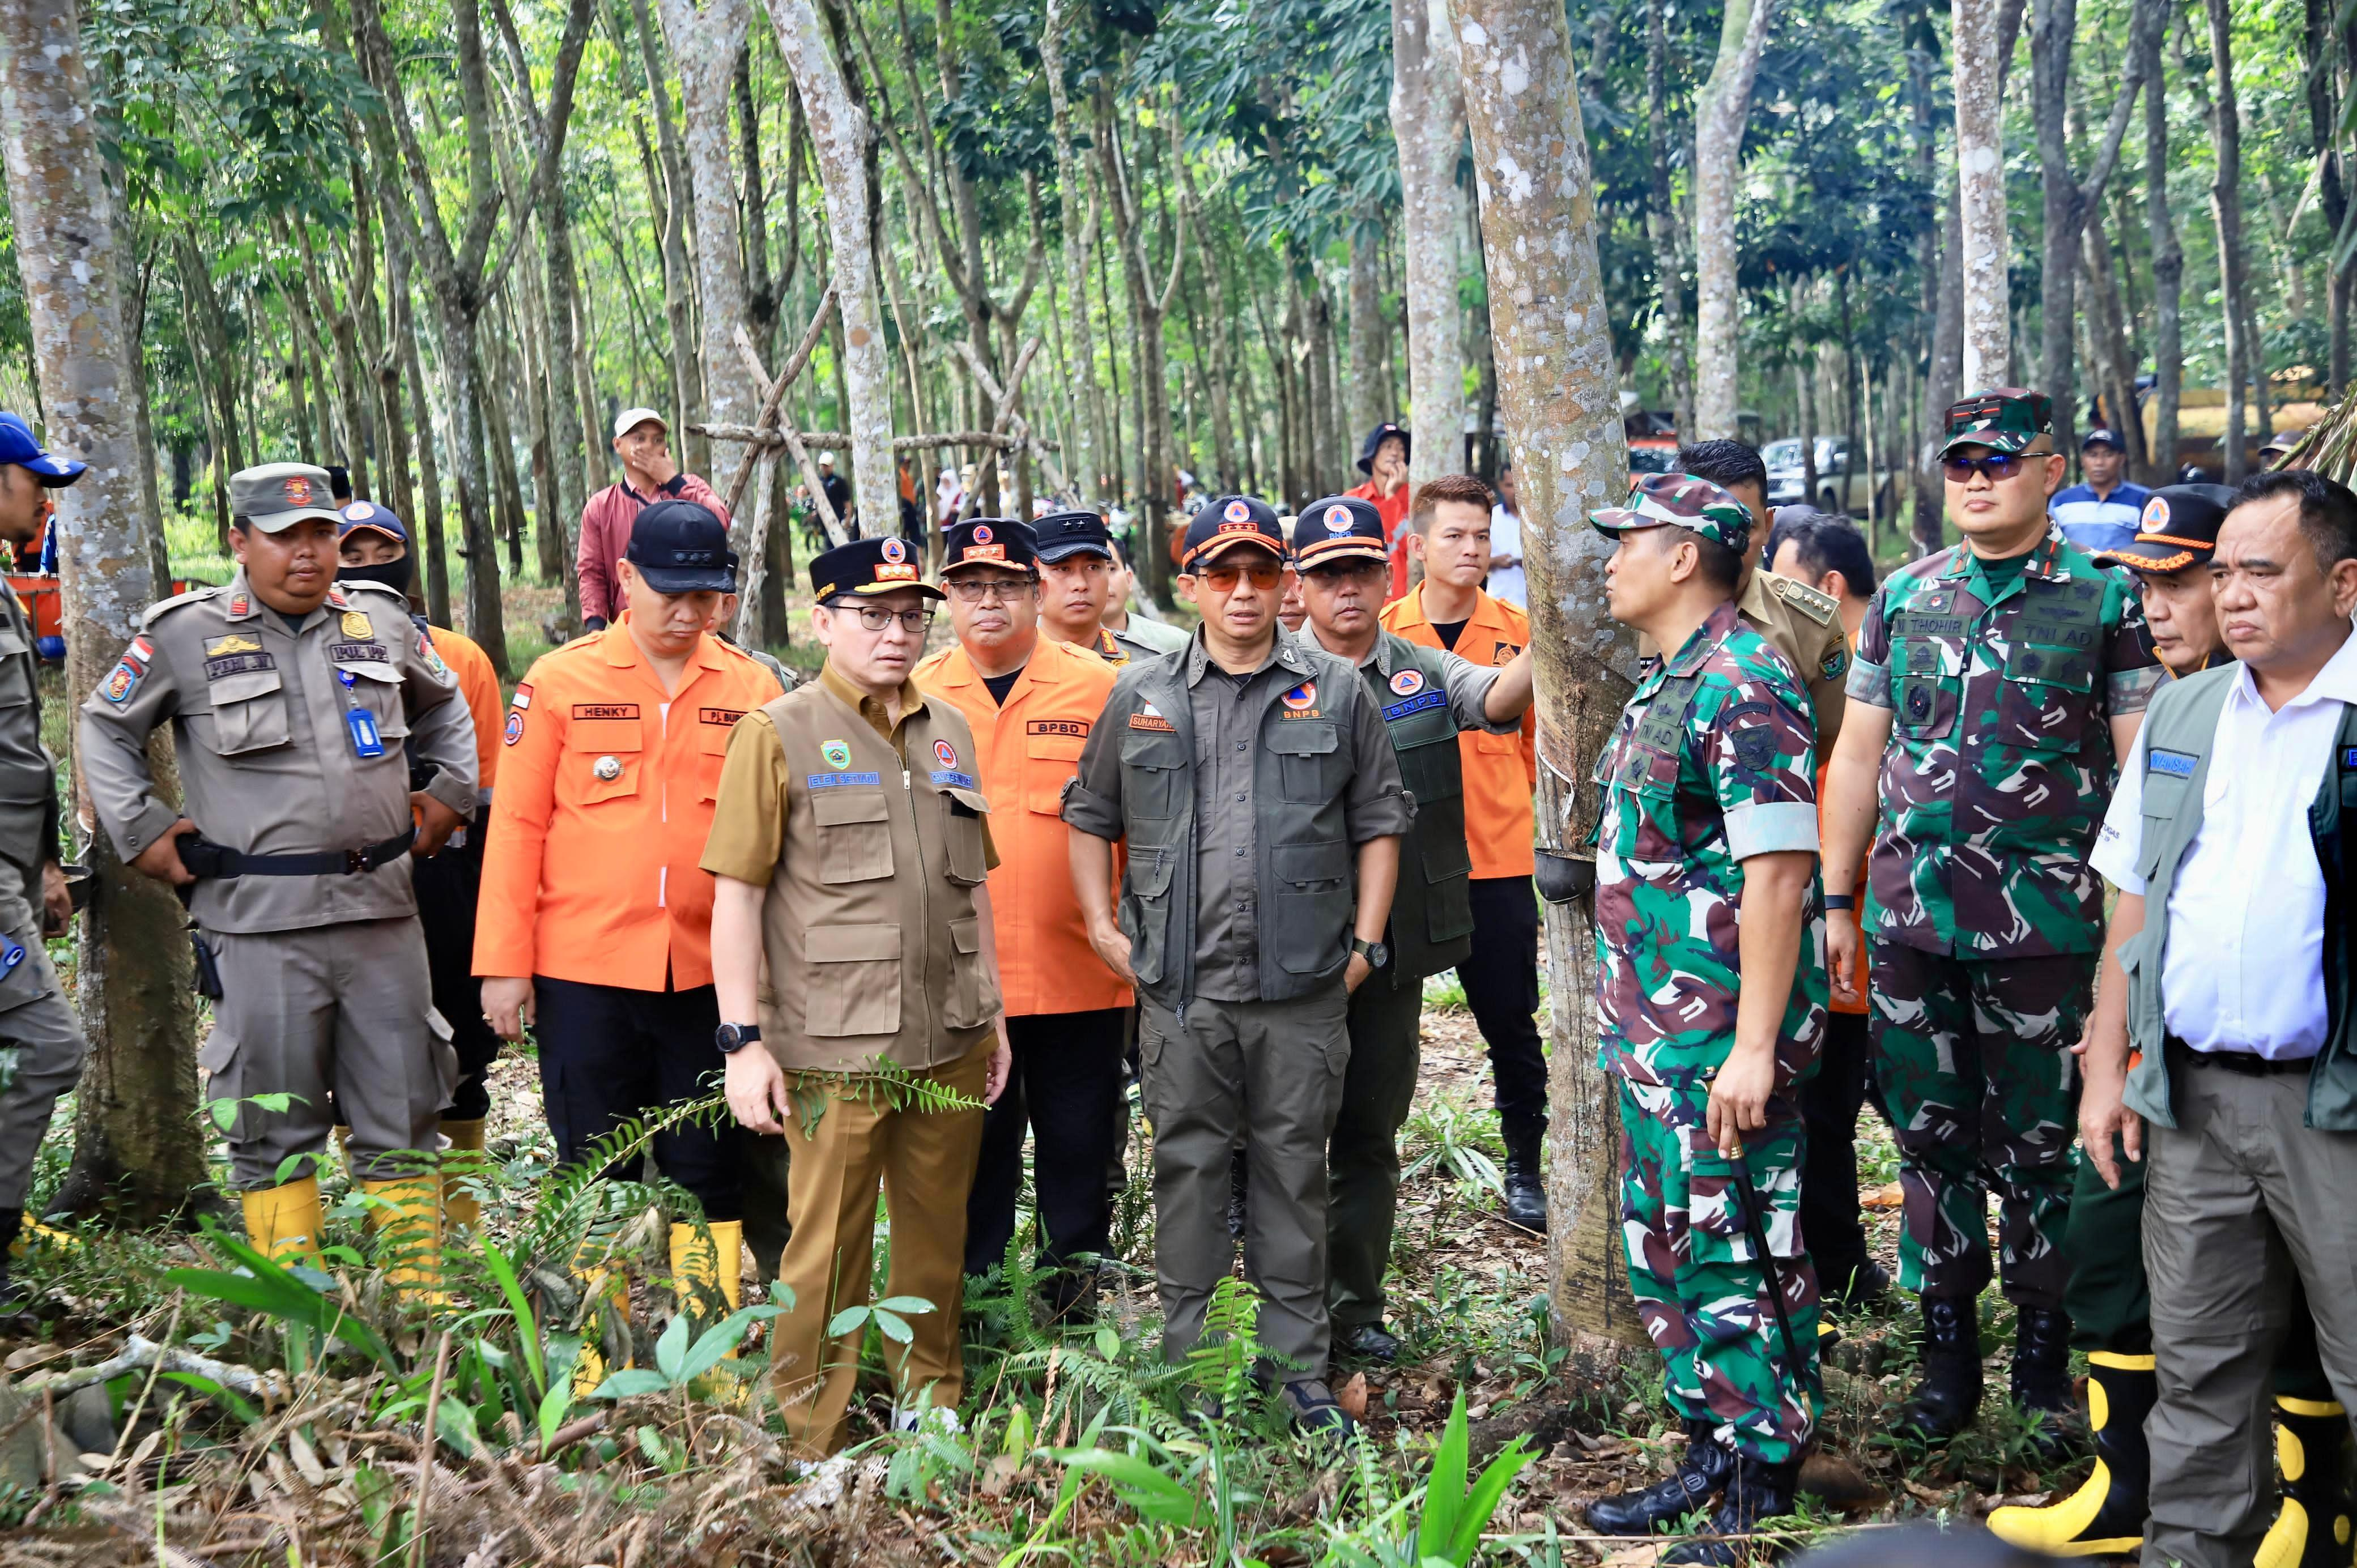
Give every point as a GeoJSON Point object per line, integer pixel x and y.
{"type": "Point", "coordinates": [605, 1288]}
{"type": "Point", "coordinates": [718, 1264]}
{"type": "Point", "coordinates": [463, 1159]}
{"type": "Point", "coordinates": [2312, 1527]}
{"type": "Point", "coordinates": [407, 1219]}
{"type": "Point", "coordinates": [284, 1223]}
{"type": "Point", "coordinates": [2104, 1518]}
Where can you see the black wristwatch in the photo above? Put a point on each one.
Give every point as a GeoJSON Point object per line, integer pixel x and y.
{"type": "Point", "coordinates": [734, 1038]}
{"type": "Point", "coordinates": [1375, 953]}
{"type": "Point", "coordinates": [1841, 901]}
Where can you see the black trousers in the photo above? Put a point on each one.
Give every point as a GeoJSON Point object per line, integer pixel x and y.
{"type": "Point", "coordinates": [449, 885]}
{"type": "Point", "coordinates": [1065, 1087]}
{"type": "Point", "coordinates": [1830, 1102]}
{"type": "Point", "coordinates": [608, 1054]}
{"type": "Point", "coordinates": [1500, 977]}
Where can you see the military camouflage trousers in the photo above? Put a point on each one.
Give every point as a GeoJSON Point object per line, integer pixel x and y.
{"type": "Point", "coordinates": [1973, 1056]}
{"type": "Point", "coordinates": [1699, 1286]}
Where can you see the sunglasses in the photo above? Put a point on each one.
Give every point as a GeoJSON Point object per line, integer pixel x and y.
{"type": "Point", "coordinates": [975, 590]}
{"type": "Point", "coordinates": [1223, 579]}
{"type": "Point", "coordinates": [1998, 466]}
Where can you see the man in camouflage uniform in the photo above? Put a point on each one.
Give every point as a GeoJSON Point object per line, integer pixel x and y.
{"type": "Point", "coordinates": [1705, 867]}
{"type": "Point", "coordinates": [1996, 684]}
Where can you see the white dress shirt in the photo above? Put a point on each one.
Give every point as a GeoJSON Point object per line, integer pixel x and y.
{"type": "Point", "coordinates": [1506, 539]}
{"type": "Point", "coordinates": [2245, 966]}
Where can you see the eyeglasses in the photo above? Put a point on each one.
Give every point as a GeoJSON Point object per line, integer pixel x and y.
{"type": "Point", "coordinates": [975, 590]}
{"type": "Point", "coordinates": [874, 617]}
{"type": "Point", "coordinates": [1223, 579]}
{"type": "Point", "coordinates": [1998, 466]}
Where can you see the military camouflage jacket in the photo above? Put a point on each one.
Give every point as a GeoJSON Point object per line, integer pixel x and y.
{"type": "Point", "coordinates": [1712, 762]}
{"type": "Point", "coordinates": [2000, 756]}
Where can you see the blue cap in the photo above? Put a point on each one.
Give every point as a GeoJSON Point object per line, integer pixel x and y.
{"type": "Point", "coordinates": [18, 445]}
{"type": "Point", "coordinates": [368, 514]}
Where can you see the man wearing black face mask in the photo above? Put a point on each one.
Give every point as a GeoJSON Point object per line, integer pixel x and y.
{"type": "Point", "coordinates": [373, 546]}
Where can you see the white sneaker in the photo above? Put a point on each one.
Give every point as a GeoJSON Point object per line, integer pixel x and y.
{"type": "Point", "coordinates": [938, 1417]}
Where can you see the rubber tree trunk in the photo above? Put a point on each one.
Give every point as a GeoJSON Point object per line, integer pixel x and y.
{"type": "Point", "coordinates": [1427, 112]}
{"type": "Point", "coordinates": [1719, 115]}
{"type": "Point", "coordinates": [1086, 467]}
{"type": "Point", "coordinates": [1369, 337]}
{"type": "Point", "coordinates": [2168, 272]}
{"type": "Point", "coordinates": [1980, 171]}
{"type": "Point", "coordinates": [706, 41]}
{"type": "Point", "coordinates": [674, 200]}
{"type": "Point", "coordinates": [839, 134]}
{"type": "Point", "coordinates": [1661, 221]}
{"type": "Point", "coordinates": [1558, 392]}
{"type": "Point", "coordinates": [136, 1148]}
{"type": "Point", "coordinates": [2226, 212]}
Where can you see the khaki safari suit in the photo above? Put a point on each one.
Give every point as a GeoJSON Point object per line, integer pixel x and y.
{"type": "Point", "coordinates": [324, 976]}
{"type": "Point", "coordinates": [871, 838]}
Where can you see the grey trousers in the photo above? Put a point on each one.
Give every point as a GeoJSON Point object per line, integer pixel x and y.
{"type": "Point", "coordinates": [347, 1008]}
{"type": "Point", "coordinates": [2238, 1197]}
{"type": "Point", "coordinates": [41, 1046]}
{"type": "Point", "coordinates": [1362, 1164]}
{"type": "Point", "coordinates": [1268, 1074]}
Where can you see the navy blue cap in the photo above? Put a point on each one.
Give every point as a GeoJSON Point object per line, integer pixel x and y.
{"type": "Point", "coordinates": [865, 567]}
{"type": "Point", "coordinates": [1376, 440]}
{"type": "Point", "coordinates": [368, 514]}
{"type": "Point", "coordinates": [1064, 534]}
{"type": "Point", "coordinates": [682, 547]}
{"type": "Point", "coordinates": [989, 541]}
{"type": "Point", "coordinates": [17, 445]}
{"type": "Point", "coordinates": [1339, 528]}
{"type": "Point", "coordinates": [1227, 522]}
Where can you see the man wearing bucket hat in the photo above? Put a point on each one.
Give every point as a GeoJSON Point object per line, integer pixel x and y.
{"type": "Point", "coordinates": [1383, 460]}
{"type": "Point", "coordinates": [1995, 684]}
{"type": "Point", "coordinates": [642, 442]}
{"type": "Point", "coordinates": [1705, 874]}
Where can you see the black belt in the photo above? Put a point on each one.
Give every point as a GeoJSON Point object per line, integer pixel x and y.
{"type": "Point", "coordinates": [2249, 1064]}
{"type": "Point", "coordinates": [206, 859]}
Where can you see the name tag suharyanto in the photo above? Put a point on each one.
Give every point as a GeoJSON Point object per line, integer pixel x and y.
{"type": "Point", "coordinates": [840, 780]}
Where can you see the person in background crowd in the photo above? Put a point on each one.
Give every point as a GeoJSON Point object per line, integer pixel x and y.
{"type": "Point", "coordinates": [2278, 447]}
{"type": "Point", "coordinates": [1427, 697]}
{"type": "Point", "coordinates": [1448, 530]}
{"type": "Point", "coordinates": [2232, 989]}
{"type": "Point", "coordinates": [1829, 554]}
{"type": "Point", "coordinates": [839, 494]}
{"type": "Point", "coordinates": [1996, 681]}
{"type": "Point", "coordinates": [1076, 569]}
{"type": "Point", "coordinates": [1032, 703]}
{"type": "Point", "coordinates": [1383, 460]}
{"type": "Point", "coordinates": [913, 513]}
{"type": "Point", "coordinates": [1710, 1009]}
{"type": "Point", "coordinates": [595, 927]}
{"type": "Point", "coordinates": [2100, 513]}
{"type": "Point", "coordinates": [1128, 616]}
{"type": "Point", "coordinates": [296, 707]}
{"type": "Point", "coordinates": [1292, 610]}
{"type": "Point", "coordinates": [852, 926]}
{"type": "Point", "coordinates": [1250, 778]}
{"type": "Point", "coordinates": [373, 546]}
{"type": "Point", "coordinates": [39, 1028]}
{"type": "Point", "coordinates": [1506, 584]}
{"type": "Point", "coordinates": [642, 442]}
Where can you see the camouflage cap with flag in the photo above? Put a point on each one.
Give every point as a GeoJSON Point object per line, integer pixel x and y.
{"type": "Point", "coordinates": [2003, 419]}
{"type": "Point", "coordinates": [1681, 500]}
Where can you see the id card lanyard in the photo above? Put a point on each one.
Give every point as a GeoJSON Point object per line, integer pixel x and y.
{"type": "Point", "coordinates": [359, 722]}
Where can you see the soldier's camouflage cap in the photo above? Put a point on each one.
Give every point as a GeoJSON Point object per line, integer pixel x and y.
{"type": "Point", "coordinates": [279, 495]}
{"type": "Point", "coordinates": [1680, 501]}
{"type": "Point", "coordinates": [2003, 419]}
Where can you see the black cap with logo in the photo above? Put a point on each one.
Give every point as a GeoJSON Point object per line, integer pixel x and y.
{"type": "Point", "coordinates": [682, 547]}
{"type": "Point", "coordinates": [2179, 528]}
{"type": "Point", "coordinates": [989, 541]}
{"type": "Point", "coordinates": [1064, 534]}
{"type": "Point", "coordinates": [1227, 522]}
{"type": "Point", "coordinates": [866, 567]}
{"type": "Point", "coordinates": [1339, 528]}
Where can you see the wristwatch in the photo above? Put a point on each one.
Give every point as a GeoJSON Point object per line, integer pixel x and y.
{"type": "Point", "coordinates": [1841, 901]}
{"type": "Point", "coordinates": [1375, 953]}
{"type": "Point", "coordinates": [734, 1038]}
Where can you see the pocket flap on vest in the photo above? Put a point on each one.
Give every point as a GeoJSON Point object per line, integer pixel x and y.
{"type": "Point", "coordinates": [833, 807]}
{"type": "Point", "coordinates": [1303, 740]}
{"type": "Point", "coordinates": [852, 944]}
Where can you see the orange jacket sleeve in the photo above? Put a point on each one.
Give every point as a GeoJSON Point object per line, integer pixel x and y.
{"type": "Point", "coordinates": [508, 914]}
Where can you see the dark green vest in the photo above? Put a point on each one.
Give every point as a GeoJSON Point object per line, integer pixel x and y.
{"type": "Point", "coordinates": [1432, 912]}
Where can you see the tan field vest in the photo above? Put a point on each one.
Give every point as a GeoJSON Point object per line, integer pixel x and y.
{"type": "Point", "coordinates": [870, 927]}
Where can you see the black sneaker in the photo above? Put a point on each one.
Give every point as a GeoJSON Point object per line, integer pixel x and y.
{"type": "Point", "coordinates": [1370, 1342]}
{"type": "Point", "coordinates": [1313, 1408]}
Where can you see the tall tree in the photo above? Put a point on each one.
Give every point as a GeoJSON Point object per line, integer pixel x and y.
{"type": "Point", "coordinates": [136, 1148]}
{"type": "Point", "coordinates": [2319, 41]}
{"type": "Point", "coordinates": [707, 41]}
{"type": "Point", "coordinates": [2225, 118]}
{"type": "Point", "coordinates": [1427, 112]}
{"type": "Point", "coordinates": [1979, 82]}
{"type": "Point", "coordinates": [1661, 217]}
{"type": "Point", "coordinates": [2167, 270]}
{"type": "Point", "coordinates": [1720, 116]}
{"type": "Point", "coordinates": [1558, 392]}
{"type": "Point", "coordinates": [1086, 470]}
{"type": "Point", "coordinates": [678, 204]}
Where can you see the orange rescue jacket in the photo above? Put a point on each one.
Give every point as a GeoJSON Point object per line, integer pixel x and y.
{"type": "Point", "coordinates": [1501, 770]}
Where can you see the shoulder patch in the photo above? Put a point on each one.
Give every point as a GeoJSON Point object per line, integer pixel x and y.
{"type": "Point", "coordinates": [1818, 606]}
{"type": "Point", "coordinates": [157, 609]}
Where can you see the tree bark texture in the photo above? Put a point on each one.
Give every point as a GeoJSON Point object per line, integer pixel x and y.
{"type": "Point", "coordinates": [677, 204]}
{"type": "Point", "coordinates": [1087, 469]}
{"type": "Point", "coordinates": [1370, 338]}
{"type": "Point", "coordinates": [1558, 392]}
{"type": "Point", "coordinates": [1661, 221]}
{"type": "Point", "coordinates": [2226, 212]}
{"type": "Point", "coordinates": [2167, 273]}
{"type": "Point", "coordinates": [1719, 114]}
{"type": "Point", "coordinates": [706, 41]}
{"type": "Point", "coordinates": [1980, 172]}
{"type": "Point", "coordinates": [136, 1147]}
{"type": "Point", "coordinates": [1428, 114]}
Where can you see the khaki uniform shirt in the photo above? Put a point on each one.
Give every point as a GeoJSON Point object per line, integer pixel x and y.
{"type": "Point", "coordinates": [871, 837]}
{"type": "Point", "coordinates": [28, 774]}
{"type": "Point", "coordinates": [1805, 627]}
{"type": "Point", "coordinates": [266, 758]}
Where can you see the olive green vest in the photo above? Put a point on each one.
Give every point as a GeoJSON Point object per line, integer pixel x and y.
{"type": "Point", "coordinates": [1432, 911]}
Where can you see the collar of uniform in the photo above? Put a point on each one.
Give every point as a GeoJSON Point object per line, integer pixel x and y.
{"type": "Point", "coordinates": [912, 701]}
{"type": "Point", "coordinates": [1198, 655]}
{"type": "Point", "coordinates": [960, 670]}
{"type": "Point", "coordinates": [621, 650]}
{"type": "Point", "coordinates": [1380, 655]}
{"type": "Point", "coordinates": [2045, 560]}
{"type": "Point", "coordinates": [1704, 638]}
{"type": "Point", "coordinates": [2336, 683]}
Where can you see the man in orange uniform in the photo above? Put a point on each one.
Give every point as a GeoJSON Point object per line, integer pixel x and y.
{"type": "Point", "coordinates": [1450, 532]}
{"type": "Point", "coordinates": [1383, 460]}
{"type": "Point", "coordinates": [596, 919]}
{"type": "Point", "coordinates": [1031, 701]}
{"type": "Point", "coordinates": [373, 546]}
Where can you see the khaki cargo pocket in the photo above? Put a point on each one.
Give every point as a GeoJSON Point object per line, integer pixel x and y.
{"type": "Point", "coordinates": [1310, 916]}
{"type": "Point", "coordinates": [248, 714]}
{"type": "Point", "coordinates": [1309, 766]}
{"type": "Point", "coordinates": [963, 812]}
{"type": "Point", "coordinates": [1145, 910]}
{"type": "Point", "coordinates": [855, 981]}
{"type": "Point", "coordinates": [854, 834]}
{"type": "Point", "coordinates": [1153, 781]}
{"type": "Point", "coordinates": [972, 1000]}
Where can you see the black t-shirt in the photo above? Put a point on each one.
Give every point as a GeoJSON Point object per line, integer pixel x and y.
{"type": "Point", "coordinates": [1001, 684]}
{"type": "Point", "coordinates": [1448, 631]}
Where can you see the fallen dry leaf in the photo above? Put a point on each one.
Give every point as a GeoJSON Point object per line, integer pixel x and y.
{"type": "Point", "coordinates": [1925, 1495]}
{"type": "Point", "coordinates": [1884, 1197]}
{"type": "Point", "coordinates": [1352, 1397]}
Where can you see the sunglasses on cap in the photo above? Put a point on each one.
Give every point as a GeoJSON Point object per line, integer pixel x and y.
{"type": "Point", "coordinates": [1998, 466]}
{"type": "Point", "coordinates": [1223, 579]}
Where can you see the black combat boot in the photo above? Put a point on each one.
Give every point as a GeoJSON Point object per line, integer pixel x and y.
{"type": "Point", "coordinates": [1525, 1187]}
{"type": "Point", "coordinates": [1948, 1400]}
{"type": "Point", "coordinates": [1758, 1490]}
{"type": "Point", "coordinates": [1699, 1477]}
{"type": "Point", "coordinates": [2106, 1517]}
{"type": "Point", "coordinates": [2041, 1375]}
